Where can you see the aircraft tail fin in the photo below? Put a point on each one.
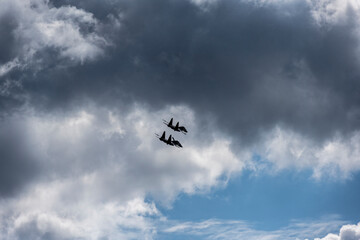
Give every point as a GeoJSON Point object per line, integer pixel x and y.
{"type": "Point", "coordinates": [171, 120]}
{"type": "Point", "coordinates": [177, 125]}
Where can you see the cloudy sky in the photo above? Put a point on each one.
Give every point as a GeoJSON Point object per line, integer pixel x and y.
{"type": "Point", "coordinates": [269, 91]}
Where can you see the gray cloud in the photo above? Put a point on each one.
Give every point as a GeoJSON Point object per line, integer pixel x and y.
{"type": "Point", "coordinates": [243, 73]}
{"type": "Point", "coordinates": [251, 67]}
{"type": "Point", "coordinates": [18, 161]}
{"type": "Point", "coordinates": [95, 166]}
{"type": "Point", "coordinates": [7, 42]}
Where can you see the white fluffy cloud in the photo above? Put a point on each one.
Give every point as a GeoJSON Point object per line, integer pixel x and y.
{"type": "Point", "coordinates": [347, 232]}
{"type": "Point", "coordinates": [39, 25]}
{"type": "Point", "coordinates": [37, 217]}
{"type": "Point", "coordinates": [328, 12]}
{"type": "Point", "coordinates": [337, 158]}
{"type": "Point", "coordinates": [109, 148]}
{"type": "Point", "coordinates": [98, 166]}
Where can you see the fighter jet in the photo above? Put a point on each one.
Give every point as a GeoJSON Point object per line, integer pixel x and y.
{"type": "Point", "coordinates": [163, 139]}
{"type": "Point", "coordinates": [176, 143]}
{"type": "Point", "coordinates": [176, 128]}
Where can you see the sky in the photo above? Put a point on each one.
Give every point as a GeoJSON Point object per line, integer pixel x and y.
{"type": "Point", "coordinates": [269, 91]}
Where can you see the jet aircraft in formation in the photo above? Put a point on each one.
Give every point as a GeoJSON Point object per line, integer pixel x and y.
{"type": "Point", "coordinates": [170, 141]}
{"type": "Point", "coordinates": [176, 128]}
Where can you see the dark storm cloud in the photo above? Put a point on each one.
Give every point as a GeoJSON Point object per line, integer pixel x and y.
{"type": "Point", "coordinates": [17, 161]}
{"type": "Point", "coordinates": [248, 67]}
{"type": "Point", "coordinates": [7, 40]}
{"type": "Point", "coordinates": [251, 67]}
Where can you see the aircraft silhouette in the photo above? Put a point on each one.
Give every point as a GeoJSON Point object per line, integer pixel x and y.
{"type": "Point", "coordinates": [163, 139]}
{"type": "Point", "coordinates": [170, 141]}
{"type": "Point", "coordinates": [176, 128]}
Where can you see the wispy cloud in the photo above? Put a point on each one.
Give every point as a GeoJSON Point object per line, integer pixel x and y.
{"type": "Point", "coordinates": [230, 229]}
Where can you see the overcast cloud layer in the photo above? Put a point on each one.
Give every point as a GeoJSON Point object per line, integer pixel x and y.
{"type": "Point", "coordinates": [85, 84]}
